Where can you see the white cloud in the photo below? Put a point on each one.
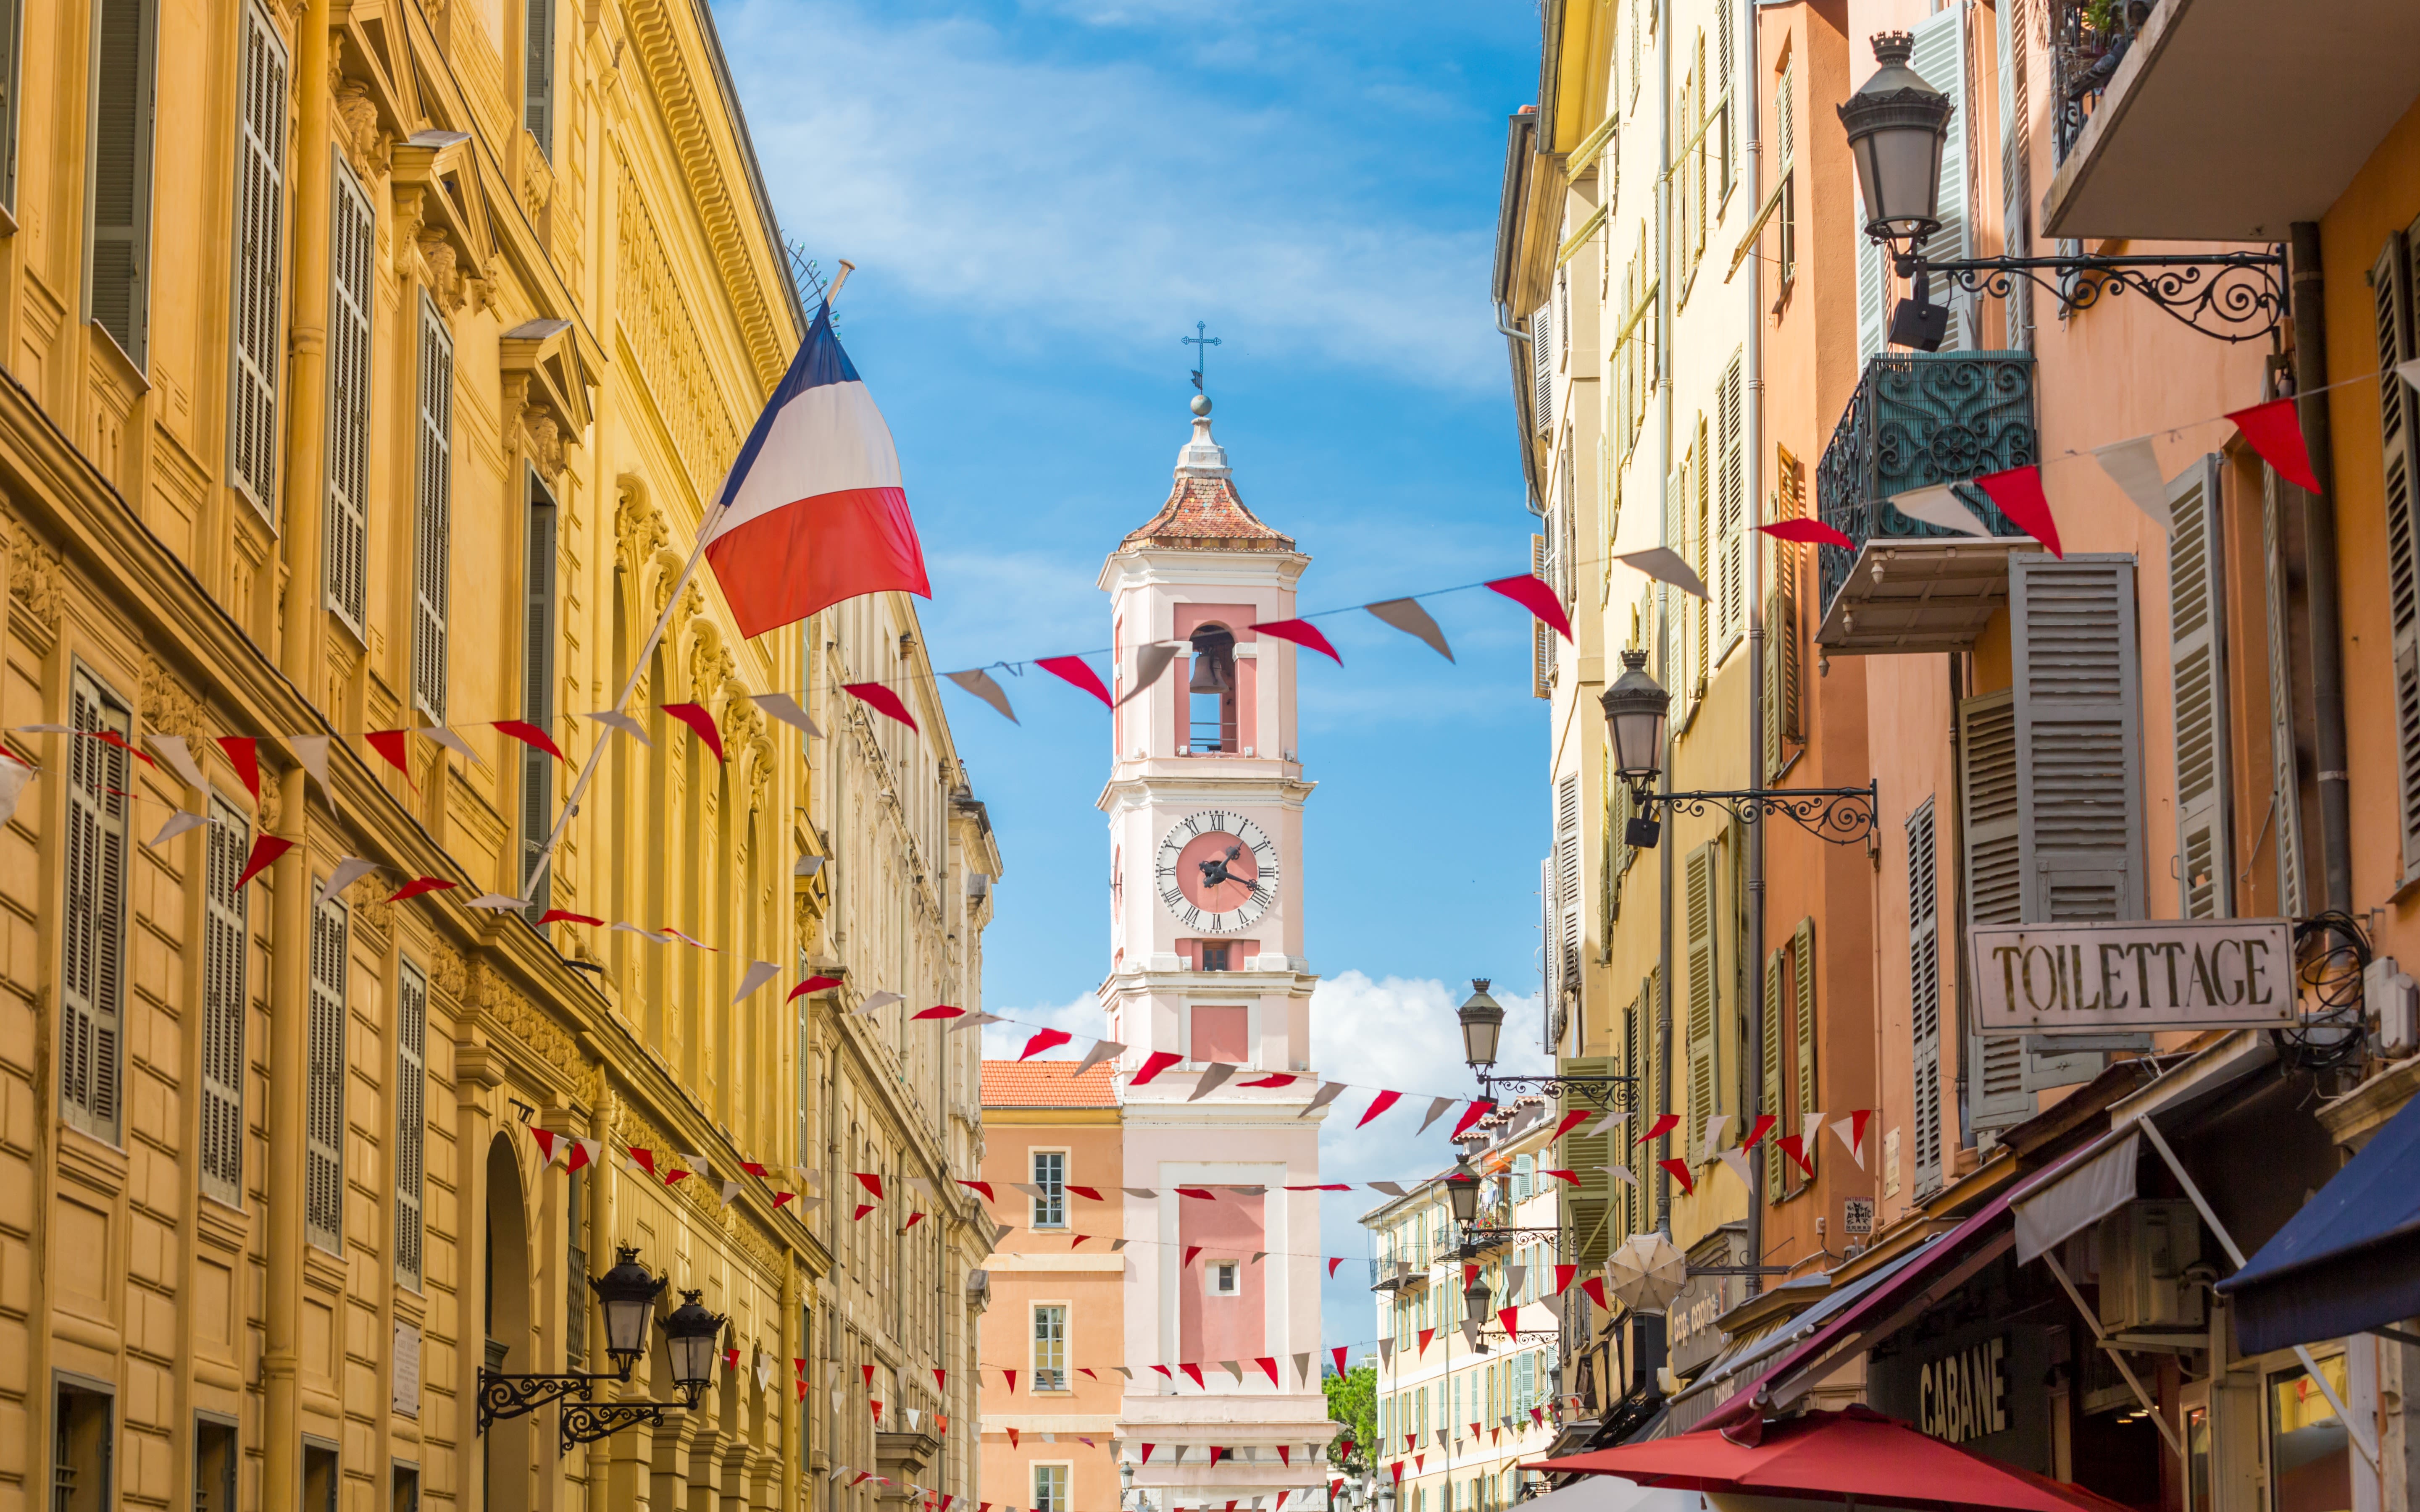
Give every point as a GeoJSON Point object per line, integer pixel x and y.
{"type": "Point", "coordinates": [1053, 194]}
{"type": "Point", "coordinates": [1400, 1033]}
{"type": "Point", "coordinates": [1080, 1018]}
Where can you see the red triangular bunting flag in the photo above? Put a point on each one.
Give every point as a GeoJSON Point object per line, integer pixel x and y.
{"type": "Point", "coordinates": [243, 753]}
{"type": "Point", "coordinates": [862, 1208]}
{"type": "Point", "coordinates": [1075, 672]}
{"type": "Point", "coordinates": [1563, 1274]}
{"type": "Point", "coordinates": [1146, 1452]}
{"type": "Point", "coordinates": [2275, 431]}
{"type": "Point", "coordinates": [1573, 1176]}
{"type": "Point", "coordinates": [1479, 1108]}
{"type": "Point", "coordinates": [1044, 1039]}
{"type": "Point", "coordinates": [1426, 1335]}
{"type": "Point", "coordinates": [869, 1180]}
{"type": "Point", "coordinates": [1302, 633]}
{"type": "Point", "coordinates": [418, 886]}
{"type": "Point", "coordinates": [1762, 1126]}
{"type": "Point", "coordinates": [1285, 1454]}
{"type": "Point", "coordinates": [1664, 1124]}
{"type": "Point", "coordinates": [1569, 1121]}
{"type": "Point", "coordinates": [2019, 493]}
{"type": "Point", "coordinates": [1795, 1146]}
{"type": "Point", "coordinates": [1808, 533]}
{"type": "Point", "coordinates": [1595, 1286]}
{"type": "Point", "coordinates": [1510, 1318]}
{"type": "Point", "coordinates": [813, 984]}
{"type": "Point", "coordinates": [395, 747]}
{"type": "Point", "coordinates": [1190, 1251]}
{"type": "Point", "coordinates": [564, 915]}
{"type": "Point", "coordinates": [697, 718]}
{"type": "Point", "coordinates": [1379, 1104]}
{"type": "Point", "coordinates": [1158, 1061]}
{"type": "Point", "coordinates": [1333, 1261]}
{"type": "Point", "coordinates": [1679, 1169]}
{"type": "Point", "coordinates": [1268, 1363]}
{"type": "Point", "coordinates": [1538, 597]}
{"type": "Point", "coordinates": [530, 734]}
{"type": "Point", "coordinates": [265, 850]}
{"type": "Point", "coordinates": [780, 1198]}
{"type": "Point", "coordinates": [880, 700]}
{"type": "Point", "coordinates": [1339, 1351]}
{"type": "Point", "coordinates": [983, 1187]}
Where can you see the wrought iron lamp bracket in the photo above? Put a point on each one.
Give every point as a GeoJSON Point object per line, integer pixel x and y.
{"type": "Point", "coordinates": [1476, 1238]}
{"type": "Point", "coordinates": [1597, 1089]}
{"type": "Point", "coordinates": [1841, 817]}
{"type": "Point", "coordinates": [503, 1395]}
{"type": "Point", "coordinates": [585, 1422]}
{"type": "Point", "coordinates": [2234, 296]}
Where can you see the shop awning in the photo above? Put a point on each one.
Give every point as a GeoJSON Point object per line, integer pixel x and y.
{"type": "Point", "coordinates": [2088, 1192]}
{"type": "Point", "coordinates": [2349, 1261]}
{"type": "Point", "coordinates": [1854, 1456]}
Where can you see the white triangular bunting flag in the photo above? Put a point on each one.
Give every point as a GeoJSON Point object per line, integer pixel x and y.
{"type": "Point", "coordinates": [1666, 566]}
{"type": "Point", "coordinates": [1512, 1277]}
{"type": "Point", "coordinates": [2134, 467]}
{"type": "Point", "coordinates": [2409, 373]}
{"type": "Point", "coordinates": [784, 707]}
{"type": "Point", "coordinates": [627, 724]}
{"type": "Point", "coordinates": [1846, 1129]}
{"type": "Point", "coordinates": [1608, 1124]}
{"type": "Point", "coordinates": [1328, 1092]}
{"type": "Point", "coordinates": [1622, 1174]}
{"type": "Point", "coordinates": [181, 760]}
{"type": "Point", "coordinates": [697, 1163]}
{"type": "Point", "coordinates": [312, 751]}
{"type": "Point", "coordinates": [1737, 1161]}
{"type": "Point", "coordinates": [1553, 1303]}
{"type": "Point", "coordinates": [452, 742]}
{"type": "Point", "coordinates": [1939, 505]}
{"type": "Point", "coordinates": [759, 973]}
{"type": "Point", "coordinates": [1406, 615]}
{"type": "Point", "coordinates": [1715, 1124]}
{"type": "Point", "coordinates": [628, 927]}
{"type": "Point", "coordinates": [1302, 1367]}
{"type": "Point", "coordinates": [978, 682]}
{"type": "Point", "coordinates": [1150, 664]}
{"type": "Point", "coordinates": [178, 823]}
{"type": "Point", "coordinates": [347, 871]}
{"type": "Point", "coordinates": [1436, 1111]}
{"type": "Point", "coordinates": [975, 1020]}
{"type": "Point", "coordinates": [1392, 1189]}
{"type": "Point", "coordinates": [497, 902]}
{"type": "Point", "coordinates": [1212, 1075]}
{"type": "Point", "coordinates": [875, 1002]}
{"type": "Point", "coordinates": [1102, 1049]}
{"type": "Point", "coordinates": [730, 1192]}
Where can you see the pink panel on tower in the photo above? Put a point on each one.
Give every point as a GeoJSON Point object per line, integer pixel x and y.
{"type": "Point", "coordinates": [1222, 1031]}
{"type": "Point", "coordinates": [1212, 1326]}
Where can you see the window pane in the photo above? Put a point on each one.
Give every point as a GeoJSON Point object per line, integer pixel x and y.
{"type": "Point", "coordinates": [1050, 1176]}
{"type": "Point", "coordinates": [1050, 1349]}
{"type": "Point", "coordinates": [2310, 1464]}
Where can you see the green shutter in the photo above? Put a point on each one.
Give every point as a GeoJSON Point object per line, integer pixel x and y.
{"type": "Point", "coordinates": [118, 195]}
{"type": "Point", "coordinates": [1771, 1080]}
{"type": "Point", "coordinates": [1704, 1007]}
{"type": "Point", "coordinates": [1801, 976]}
{"type": "Point", "coordinates": [1589, 1205]}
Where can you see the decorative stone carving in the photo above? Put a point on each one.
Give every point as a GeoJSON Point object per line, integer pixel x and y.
{"type": "Point", "coordinates": [639, 529]}
{"type": "Point", "coordinates": [371, 911]}
{"type": "Point", "coordinates": [448, 972]}
{"type": "Point", "coordinates": [167, 708]}
{"type": "Point", "coordinates": [367, 145]}
{"type": "Point", "coordinates": [36, 580]}
{"type": "Point", "coordinates": [445, 282]}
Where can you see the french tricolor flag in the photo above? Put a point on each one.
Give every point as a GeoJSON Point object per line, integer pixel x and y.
{"type": "Point", "coordinates": [813, 511]}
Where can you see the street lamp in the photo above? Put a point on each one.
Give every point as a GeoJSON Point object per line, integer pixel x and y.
{"type": "Point", "coordinates": [1897, 125]}
{"type": "Point", "coordinates": [627, 1294]}
{"type": "Point", "coordinates": [1482, 1024]}
{"type": "Point", "coordinates": [690, 1337]}
{"type": "Point", "coordinates": [1635, 711]}
{"type": "Point", "coordinates": [1462, 1190]}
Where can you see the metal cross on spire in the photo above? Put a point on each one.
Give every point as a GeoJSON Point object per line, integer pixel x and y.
{"type": "Point", "coordinates": [1202, 339]}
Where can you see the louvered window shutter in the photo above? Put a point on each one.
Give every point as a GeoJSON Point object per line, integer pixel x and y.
{"type": "Point", "coordinates": [1701, 467]}
{"type": "Point", "coordinates": [2079, 737]}
{"type": "Point", "coordinates": [411, 1124]}
{"type": "Point", "coordinates": [1541, 636]}
{"type": "Point", "coordinates": [228, 840]}
{"type": "Point", "coordinates": [1771, 1082]}
{"type": "Point", "coordinates": [433, 531]}
{"type": "Point", "coordinates": [538, 684]}
{"type": "Point", "coordinates": [1568, 891]}
{"type": "Point", "coordinates": [1995, 857]}
{"type": "Point", "coordinates": [323, 1114]}
{"type": "Point", "coordinates": [1704, 1010]}
{"type": "Point", "coordinates": [2016, 107]}
{"type": "Point", "coordinates": [1589, 1205]}
{"type": "Point", "coordinates": [2398, 416]}
{"type": "Point", "coordinates": [118, 197]}
{"type": "Point", "coordinates": [2198, 682]}
{"type": "Point", "coordinates": [1924, 991]}
{"type": "Point", "coordinates": [92, 973]}
{"type": "Point", "coordinates": [1731, 500]}
{"type": "Point", "coordinates": [2284, 777]}
{"type": "Point", "coordinates": [256, 319]}
{"type": "Point", "coordinates": [1720, 86]}
{"type": "Point", "coordinates": [1940, 59]}
{"type": "Point", "coordinates": [537, 110]}
{"type": "Point", "coordinates": [1808, 1097]}
{"type": "Point", "coordinates": [1873, 292]}
{"type": "Point", "coordinates": [1550, 960]}
{"type": "Point", "coordinates": [1542, 357]}
{"type": "Point", "coordinates": [1633, 1061]}
{"type": "Point", "coordinates": [350, 271]}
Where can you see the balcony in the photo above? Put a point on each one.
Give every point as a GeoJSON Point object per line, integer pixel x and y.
{"type": "Point", "coordinates": [2167, 151]}
{"type": "Point", "coordinates": [1915, 420]}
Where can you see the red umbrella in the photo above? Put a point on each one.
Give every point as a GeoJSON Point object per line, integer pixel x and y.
{"type": "Point", "coordinates": [1855, 1455]}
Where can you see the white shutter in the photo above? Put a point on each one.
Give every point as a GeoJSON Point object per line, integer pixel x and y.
{"type": "Point", "coordinates": [1705, 1016]}
{"type": "Point", "coordinates": [1730, 532]}
{"type": "Point", "coordinates": [1873, 290]}
{"type": "Point", "coordinates": [2016, 175]}
{"type": "Point", "coordinates": [537, 102]}
{"type": "Point", "coordinates": [224, 956]}
{"type": "Point", "coordinates": [256, 319]}
{"type": "Point", "coordinates": [2079, 761]}
{"type": "Point", "coordinates": [1549, 959]}
{"type": "Point", "coordinates": [1542, 359]}
{"type": "Point", "coordinates": [323, 1113]}
{"type": "Point", "coordinates": [351, 269]}
{"type": "Point", "coordinates": [1701, 513]}
{"type": "Point", "coordinates": [537, 682]}
{"type": "Point", "coordinates": [92, 933]}
{"type": "Point", "coordinates": [1568, 892]}
{"type": "Point", "coordinates": [1997, 1097]}
{"type": "Point", "coordinates": [1940, 60]}
{"type": "Point", "coordinates": [411, 1123]}
{"type": "Point", "coordinates": [2400, 440]}
{"type": "Point", "coordinates": [2285, 776]}
{"type": "Point", "coordinates": [1924, 990]}
{"type": "Point", "coordinates": [433, 527]}
{"type": "Point", "coordinates": [2197, 681]}
{"type": "Point", "coordinates": [118, 194]}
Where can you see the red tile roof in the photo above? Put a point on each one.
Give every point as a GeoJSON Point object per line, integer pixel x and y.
{"type": "Point", "coordinates": [1207, 515]}
{"type": "Point", "coordinates": [1045, 1084]}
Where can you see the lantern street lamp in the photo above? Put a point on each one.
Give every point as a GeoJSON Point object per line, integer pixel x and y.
{"type": "Point", "coordinates": [690, 1335]}
{"type": "Point", "coordinates": [1475, 1298]}
{"type": "Point", "coordinates": [1462, 1190]}
{"type": "Point", "coordinates": [1898, 125]}
{"type": "Point", "coordinates": [1634, 711]}
{"type": "Point", "coordinates": [627, 1294]}
{"type": "Point", "coordinates": [1483, 1027]}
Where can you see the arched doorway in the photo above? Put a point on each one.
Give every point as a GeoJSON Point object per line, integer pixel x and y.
{"type": "Point", "coordinates": [507, 1457]}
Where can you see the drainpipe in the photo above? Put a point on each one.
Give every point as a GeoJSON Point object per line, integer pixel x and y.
{"type": "Point", "coordinates": [1663, 594]}
{"type": "Point", "coordinates": [301, 643]}
{"type": "Point", "coordinates": [2319, 551]}
{"type": "Point", "coordinates": [1743, 91]}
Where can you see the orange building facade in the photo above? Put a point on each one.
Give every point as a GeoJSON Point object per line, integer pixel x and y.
{"type": "Point", "coordinates": [1053, 1331]}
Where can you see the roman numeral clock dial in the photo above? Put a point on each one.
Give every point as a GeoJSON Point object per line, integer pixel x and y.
{"type": "Point", "coordinates": [1217, 871]}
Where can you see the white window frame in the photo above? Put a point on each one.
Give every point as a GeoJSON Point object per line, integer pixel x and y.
{"type": "Point", "coordinates": [1035, 1344]}
{"type": "Point", "coordinates": [1056, 1497]}
{"type": "Point", "coordinates": [1226, 1278]}
{"type": "Point", "coordinates": [1049, 1211]}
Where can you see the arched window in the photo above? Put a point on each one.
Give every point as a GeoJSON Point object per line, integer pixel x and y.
{"type": "Point", "coordinates": [1210, 697]}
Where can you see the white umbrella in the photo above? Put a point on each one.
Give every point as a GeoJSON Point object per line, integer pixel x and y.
{"type": "Point", "coordinates": [1647, 1272]}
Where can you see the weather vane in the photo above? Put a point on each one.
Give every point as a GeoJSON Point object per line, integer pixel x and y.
{"type": "Point", "coordinates": [1202, 339]}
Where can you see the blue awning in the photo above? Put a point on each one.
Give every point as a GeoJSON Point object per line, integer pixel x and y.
{"type": "Point", "coordinates": [2349, 1260]}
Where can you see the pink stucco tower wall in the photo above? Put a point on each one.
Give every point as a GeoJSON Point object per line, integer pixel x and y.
{"type": "Point", "coordinates": [1205, 561]}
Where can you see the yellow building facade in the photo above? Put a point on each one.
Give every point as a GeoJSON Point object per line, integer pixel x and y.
{"type": "Point", "coordinates": [368, 368]}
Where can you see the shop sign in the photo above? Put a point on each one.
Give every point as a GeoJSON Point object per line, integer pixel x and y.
{"type": "Point", "coordinates": [1965, 1395]}
{"type": "Point", "coordinates": [1689, 1321]}
{"type": "Point", "coordinates": [2135, 974]}
{"type": "Point", "coordinates": [1857, 1216]}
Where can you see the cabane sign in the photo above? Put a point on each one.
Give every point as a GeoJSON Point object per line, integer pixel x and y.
{"type": "Point", "coordinates": [2137, 974]}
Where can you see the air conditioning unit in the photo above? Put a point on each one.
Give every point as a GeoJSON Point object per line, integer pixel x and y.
{"type": "Point", "coordinates": [2146, 1248]}
{"type": "Point", "coordinates": [2393, 1003]}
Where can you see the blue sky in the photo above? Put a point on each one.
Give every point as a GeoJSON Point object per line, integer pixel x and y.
{"type": "Point", "coordinates": [1040, 199]}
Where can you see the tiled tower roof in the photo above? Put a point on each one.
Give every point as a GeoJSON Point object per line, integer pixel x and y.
{"type": "Point", "coordinates": [1204, 511]}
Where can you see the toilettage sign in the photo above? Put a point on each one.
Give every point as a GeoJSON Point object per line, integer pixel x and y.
{"type": "Point", "coordinates": [2135, 974]}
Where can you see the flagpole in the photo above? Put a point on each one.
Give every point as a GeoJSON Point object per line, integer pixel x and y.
{"type": "Point", "coordinates": [544, 864]}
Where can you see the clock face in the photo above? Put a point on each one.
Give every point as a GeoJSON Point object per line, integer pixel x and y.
{"type": "Point", "coordinates": [1217, 871]}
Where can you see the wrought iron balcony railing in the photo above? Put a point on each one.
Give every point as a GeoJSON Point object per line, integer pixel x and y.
{"type": "Point", "coordinates": [1916, 419]}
